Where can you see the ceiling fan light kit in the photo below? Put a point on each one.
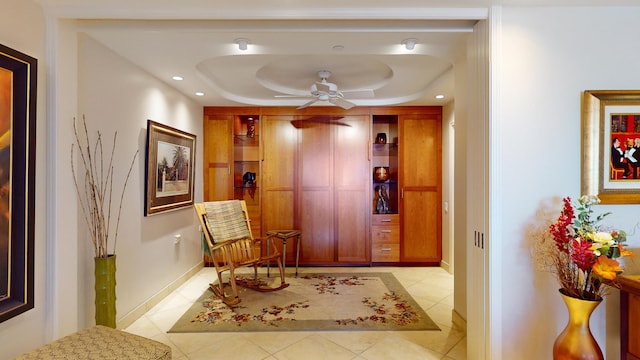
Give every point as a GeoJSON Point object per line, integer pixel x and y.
{"type": "Point", "coordinates": [323, 90]}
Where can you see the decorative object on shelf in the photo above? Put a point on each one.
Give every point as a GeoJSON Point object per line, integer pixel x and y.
{"type": "Point", "coordinates": [170, 168]}
{"type": "Point", "coordinates": [248, 179]}
{"type": "Point", "coordinates": [382, 200]}
{"type": "Point", "coordinates": [251, 127]}
{"type": "Point", "coordinates": [381, 173]}
{"type": "Point", "coordinates": [582, 255]}
{"type": "Point", "coordinates": [249, 182]}
{"type": "Point", "coordinates": [576, 340]}
{"type": "Point", "coordinates": [94, 186]}
{"type": "Point", "coordinates": [381, 138]}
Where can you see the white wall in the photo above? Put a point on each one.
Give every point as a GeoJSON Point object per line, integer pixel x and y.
{"type": "Point", "coordinates": [448, 118]}
{"type": "Point", "coordinates": [459, 190]}
{"type": "Point", "coordinates": [26, 330]}
{"type": "Point", "coordinates": [115, 95]}
{"type": "Point", "coordinates": [549, 56]}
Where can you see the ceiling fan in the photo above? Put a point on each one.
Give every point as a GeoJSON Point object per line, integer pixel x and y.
{"type": "Point", "coordinates": [325, 91]}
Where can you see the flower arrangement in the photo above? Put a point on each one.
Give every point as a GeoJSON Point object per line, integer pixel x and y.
{"type": "Point", "coordinates": [582, 253]}
{"type": "Point", "coordinates": [95, 188]}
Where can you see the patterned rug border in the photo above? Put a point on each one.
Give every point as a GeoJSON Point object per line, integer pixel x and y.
{"type": "Point", "coordinates": [425, 323]}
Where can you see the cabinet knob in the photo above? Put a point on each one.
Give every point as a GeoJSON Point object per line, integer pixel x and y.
{"type": "Point", "coordinates": [385, 249]}
{"type": "Point", "coordinates": [385, 231]}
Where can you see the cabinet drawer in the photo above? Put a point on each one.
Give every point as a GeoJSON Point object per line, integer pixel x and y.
{"type": "Point", "coordinates": [385, 252]}
{"type": "Point", "coordinates": [385, 243]}
{"type": "Point", "coordinates": [386, 219]}
{"type": "Point", "coordinates": [385, 234]}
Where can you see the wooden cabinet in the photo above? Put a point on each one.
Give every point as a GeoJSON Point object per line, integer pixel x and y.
{"type": "Point", "coordinates": [316, 180]}
{"type": "Point", "coordinates": [629, 317]}
{"type": "Point", "coordinates": [218, 150]}
{"type": "Point", "coordinates": [351, 182]}
{"type": "Point", "coordinates": [420, 153]}
{"type": "Point", "coordinates": [314, 172]}
{"type": "Point", "coordinates": [232, 159]}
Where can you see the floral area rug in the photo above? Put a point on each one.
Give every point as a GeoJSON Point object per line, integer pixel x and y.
{"type": "Point", "coordinates": [312, 302]}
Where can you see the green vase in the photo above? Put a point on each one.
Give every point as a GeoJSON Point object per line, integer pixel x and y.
{"type": "Point", "coordinates": [105, 285]}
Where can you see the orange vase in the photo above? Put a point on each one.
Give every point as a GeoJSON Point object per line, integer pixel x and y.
{"type": "Point", "coordinates": [576, 340]}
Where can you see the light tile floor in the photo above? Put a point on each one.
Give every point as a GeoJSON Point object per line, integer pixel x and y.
{"type": "Point", "coordinates": [431, 287]}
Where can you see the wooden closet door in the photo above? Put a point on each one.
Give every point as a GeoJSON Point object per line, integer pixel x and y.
{"type": "Point", "coordinates": [315, 194]}
{"type": "Point", "coordinates": [279, 177]}
{"type": "Point", "coordinates": [352, 179]}
{"type": "Point", "coordinates": [218, 150]}
{"type": "Point", "coordinates": [420, 157]}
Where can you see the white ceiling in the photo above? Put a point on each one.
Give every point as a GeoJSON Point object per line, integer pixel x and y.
{"type": "Point", "coordinates": [284, 57]}
{"type": "Point", "coordinates": [289, 43]}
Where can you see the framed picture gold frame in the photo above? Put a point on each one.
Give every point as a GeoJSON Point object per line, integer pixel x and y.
{"type": "Point", "coordinates": [18, 82]}
{"type": "Point", "coordinates": [610, 138]}
{"type": "Point", "coordinates": [170, 168]}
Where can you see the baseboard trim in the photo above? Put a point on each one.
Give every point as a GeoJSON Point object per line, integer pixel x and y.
{"type": "Point", "coordinates": [136, 313]}
{"type": "Point", "coordinates": [446, 266]}
{"type": "Point", "coordinates": [458, 321]}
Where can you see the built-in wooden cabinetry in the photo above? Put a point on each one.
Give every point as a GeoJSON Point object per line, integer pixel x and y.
{"type": "Point", "coordinates": [629, 317]}
{"type": "Point", "coordinates": [231, 156]}
{"type": "Point", "coordinates": [315, 172]}
{"type": "Point", "coordinates": [421, 187]}
{"type": "Point", "coordinates": [385, 224]}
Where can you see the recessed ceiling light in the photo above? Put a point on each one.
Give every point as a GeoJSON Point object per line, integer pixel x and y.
{"type": "Point", "coordinates": [242, 43]}
{"type": "Point", "coordinates": [338, 47]}
{"type": "Point", "coordinates": [177, 78]}
{"type": "Point", "coordinates": [199, 93]}
{"type": "Point", "coordinates": [439, 96]}
{"type": "Point", "coordinates": [410, 43]}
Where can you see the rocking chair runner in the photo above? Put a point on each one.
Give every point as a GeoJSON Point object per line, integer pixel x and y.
{"type": "Point", "coordinates": [227, 231]}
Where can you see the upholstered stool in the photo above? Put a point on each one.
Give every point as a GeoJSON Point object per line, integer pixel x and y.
{"type": "Point", "coordinates": [101, 343]}
{"type": "Point", "coordinates": [284, 235]}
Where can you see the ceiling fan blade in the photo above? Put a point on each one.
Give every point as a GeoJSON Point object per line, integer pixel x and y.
{"type": "Point", "coordinates": [342, 103]}
{"type": "Point", "coordinates": [293, 96]}
{"type": "Point", "coordinates": [318, 120]}
{"type": "Point", "coordinates": [323, 118]}
{"type": "Point", "coordinates": [306, 104]}
{"type": "Point", "coordinates": [358, 94]}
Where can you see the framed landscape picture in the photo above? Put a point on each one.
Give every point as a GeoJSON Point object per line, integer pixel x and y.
{"type": "Point", "coordinates": [18, 80]}
{"type": "Point", "coordinates": [611, 145]}
{"type": "Point", "coordinates": [170, 168]}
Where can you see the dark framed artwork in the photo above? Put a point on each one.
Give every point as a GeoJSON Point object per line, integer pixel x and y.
{"type": "Point", "coordinates": [611, 145]}
{"type": "Point", "coordinates": [170, 168]}
{"type": "Point", "coordinates": [18, 80]}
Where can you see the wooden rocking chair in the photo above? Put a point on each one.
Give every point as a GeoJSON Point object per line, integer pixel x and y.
{"type": "Point", "coordinates": [227, 231]}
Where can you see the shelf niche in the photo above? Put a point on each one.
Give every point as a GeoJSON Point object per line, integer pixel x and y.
{"type": "Point", "coordinates": [385, 155]}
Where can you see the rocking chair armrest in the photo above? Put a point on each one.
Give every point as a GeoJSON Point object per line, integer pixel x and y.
{"type": "Point", "coordinates": [220, 245]}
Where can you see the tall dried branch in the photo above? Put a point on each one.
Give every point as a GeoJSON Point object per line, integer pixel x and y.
{"type": "Point", "coordinates": [95, 196]}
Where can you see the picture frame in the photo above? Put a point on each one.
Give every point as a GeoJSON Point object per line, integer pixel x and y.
{"type": "Point", "coordinates": [610, 127]}
{"type": "Point", "coordinates": [169, 168]}
{"type": "Point", "coordinates": [18, 90]}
